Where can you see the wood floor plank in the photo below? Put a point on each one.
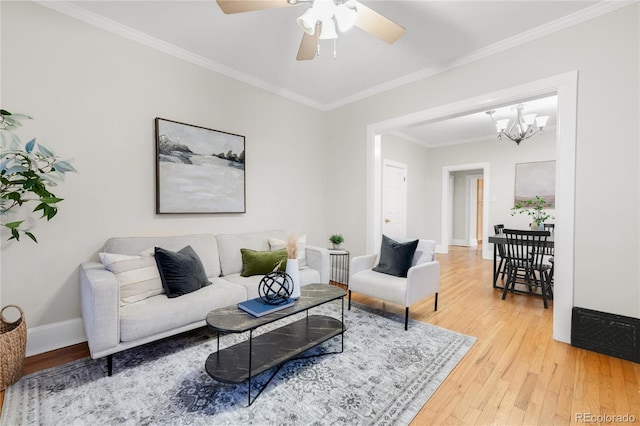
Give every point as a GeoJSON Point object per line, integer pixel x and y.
{"type": "Point", "coordinates": [515, 374]}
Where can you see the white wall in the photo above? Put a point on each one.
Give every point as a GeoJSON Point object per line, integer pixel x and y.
{"type": "Point", "coordinates": [605, 52]}
{"type": "Point", "coordinates": [502, 156]}
{"type": "Point", "coordinates": [414, 156]}
{"type": "Point", "coordinates": [95, 96]}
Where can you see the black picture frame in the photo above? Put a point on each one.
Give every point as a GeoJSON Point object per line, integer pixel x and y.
{"type": "Point", "coordinates": [198, 170]}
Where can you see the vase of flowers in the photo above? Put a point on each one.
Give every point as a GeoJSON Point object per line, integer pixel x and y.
{"type": "Point", "coordinates": [536, 208]}
{"type": "Point", "coordinates": [292, 268]}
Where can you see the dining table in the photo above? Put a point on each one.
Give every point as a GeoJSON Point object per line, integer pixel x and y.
{"type": "Point", "coordinates": [502, 239]}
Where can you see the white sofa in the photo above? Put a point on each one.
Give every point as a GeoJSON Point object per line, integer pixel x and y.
{"type": "Point", "coordinates": [111, 328]}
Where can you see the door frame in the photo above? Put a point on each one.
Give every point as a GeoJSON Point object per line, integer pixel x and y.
{"type": "Point", "coordinates": [445, 218]}
{"type": "Point", "coordinates": [565, 86]}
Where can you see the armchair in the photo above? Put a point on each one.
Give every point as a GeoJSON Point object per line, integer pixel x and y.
{"type": "Point", "coordinates": [423, 279]}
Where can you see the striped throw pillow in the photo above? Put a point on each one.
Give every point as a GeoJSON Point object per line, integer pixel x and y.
{"type": "Point", "coordinates": [138, 276]}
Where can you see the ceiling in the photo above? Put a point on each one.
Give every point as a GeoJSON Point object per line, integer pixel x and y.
{"type": "Point", "coordinates": [476, 127]}
{"type": "Point", "coordinates": [260, 47]}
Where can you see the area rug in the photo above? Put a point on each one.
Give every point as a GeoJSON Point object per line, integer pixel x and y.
{"type": "Point", "coordinates": [384, 376]}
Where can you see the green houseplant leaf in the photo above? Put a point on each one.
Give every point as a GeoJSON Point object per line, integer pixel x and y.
{"type": "Point", "coordinates": [26, 174]}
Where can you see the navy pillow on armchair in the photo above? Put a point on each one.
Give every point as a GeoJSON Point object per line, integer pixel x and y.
{"type": "Point", "coordinates": [395, 257]}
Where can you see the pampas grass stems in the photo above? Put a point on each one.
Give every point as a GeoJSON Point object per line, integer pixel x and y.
{"type": "Point", "coordinates": [292, 246]}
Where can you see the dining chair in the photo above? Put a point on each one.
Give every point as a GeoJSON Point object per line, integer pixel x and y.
{"type": "Point", "coordinates": [502, 253]}
{"type": "Point", "coordinates": [527, 266]}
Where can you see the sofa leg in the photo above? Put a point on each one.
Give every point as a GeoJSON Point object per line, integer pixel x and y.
{"type": "Point", "coordinates": [109, 365]}
{"type": "Point", "coordinates": [406, 318]}
{"type": "Point", "coordinates": [349, 308]}
{"type": "Point", "coordinates": [435, 308]}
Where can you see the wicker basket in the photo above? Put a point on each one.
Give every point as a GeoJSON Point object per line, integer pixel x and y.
{"type": "Point", "coordinates": [13, 344]}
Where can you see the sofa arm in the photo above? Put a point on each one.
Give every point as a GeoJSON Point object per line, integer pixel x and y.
{"type": "Point", "coordinates": [362, 263]}
{"type": "Point", "coordinates": [318, 259]}
{"type": "Point", "coordinates": [422, 280]}
{"type": "Point", "coordinates": [100, 294]}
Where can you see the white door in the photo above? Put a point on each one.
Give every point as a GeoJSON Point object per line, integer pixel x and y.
{"type": "Point", "coordinates": [394, 199]}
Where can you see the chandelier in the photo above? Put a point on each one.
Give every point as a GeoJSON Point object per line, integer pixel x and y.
{"type": "Point", "coordinates": [324, 16]}
{"type": "Point", "coordinates": [523, 127]}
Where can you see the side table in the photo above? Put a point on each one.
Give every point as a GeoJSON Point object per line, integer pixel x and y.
{"type": "Point", "coordinates": [339, 273]}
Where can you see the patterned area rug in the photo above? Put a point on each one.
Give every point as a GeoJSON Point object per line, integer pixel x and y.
{"type": "Point", "coordinates": [384, 376]}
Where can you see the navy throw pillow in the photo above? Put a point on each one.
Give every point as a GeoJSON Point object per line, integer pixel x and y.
{"type": "Point", "coordinates": [180, 272]}
{"type": "Point", "coordinates": [395, 257]}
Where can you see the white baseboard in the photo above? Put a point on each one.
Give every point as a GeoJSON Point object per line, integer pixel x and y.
{"type": "Point", "coordinates": [459, 242]}
{"type": "Point", "coordinates": [49, 337]}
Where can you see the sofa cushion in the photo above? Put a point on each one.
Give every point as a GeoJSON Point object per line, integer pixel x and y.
{"type": "Point", "coordinates": [181, 272]}
{"type": "Point", "coordinates": [138, 276]}
{"type": "Point", "coordinates": [277, 244]}
{"type": "Point", "coordinates": [381, 286]}
{"type": "Point", "coordinates": [395, 257]}
{"type": "Point", "coordinates": [229, 246]}
{"type": "Point", "coordinates": [159, 314]}
{"type": "Point", "coordinates": [203, 244]}
{"type": "Point", "coordinates": [261, 262]}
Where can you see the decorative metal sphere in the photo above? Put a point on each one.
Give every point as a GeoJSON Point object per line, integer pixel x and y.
{"type": "Point", "coordinates": [275, 287]}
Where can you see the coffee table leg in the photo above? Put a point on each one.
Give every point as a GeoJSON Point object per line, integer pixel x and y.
{"type": "Point", "coordinates": [250, 356]}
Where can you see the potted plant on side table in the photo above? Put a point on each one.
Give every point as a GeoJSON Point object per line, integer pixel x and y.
{"type": "Point", "coordinates": [536, 208]}
{"type": "Point", "coordinates": [26, 174]}
{"type": "Point", "coordinates": [336, 240]}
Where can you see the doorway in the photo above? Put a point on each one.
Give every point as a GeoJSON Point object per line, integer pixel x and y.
{"type": "Point", "coordinates": [459, 224]}
{"type": "Point", "coordinates": [565, 86]}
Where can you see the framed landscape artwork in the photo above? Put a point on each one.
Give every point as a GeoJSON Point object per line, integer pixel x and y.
{"type": "Point", "coordinates": [198, 170]}
{"type": "Point", "coordinates": [537, 178]}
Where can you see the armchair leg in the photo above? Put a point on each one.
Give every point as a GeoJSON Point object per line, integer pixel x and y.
{"type": "Point", "coordinates": [109, 365]}
{"type": "Point", "coordinates": [435, 308]}
{"type": "Point", "coordinates": [406, 318]}
{"type": "Point", "coordinates": [349, 300]}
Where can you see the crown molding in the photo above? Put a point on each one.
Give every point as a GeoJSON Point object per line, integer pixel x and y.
{"type": "Point", "coordinates": [599, 9]}
{"type": "Point", "coordinates": [142, 38]}
{"type": "Point", "coordinates": [592, 12]}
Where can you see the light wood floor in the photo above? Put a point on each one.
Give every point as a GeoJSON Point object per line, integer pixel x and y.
{"type": "Point", "coordinates": [514, 374]}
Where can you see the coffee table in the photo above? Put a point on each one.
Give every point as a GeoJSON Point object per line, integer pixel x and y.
{"type": "Point", "coordinates": [247, 359]}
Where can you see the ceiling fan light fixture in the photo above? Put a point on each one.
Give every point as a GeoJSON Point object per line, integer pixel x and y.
{"type": "Point", "coordinates": [307, 21]}
{"type": "Point", "coordinates": [346, 17]}
{"type": "Point", "coordinates": [328, 31]}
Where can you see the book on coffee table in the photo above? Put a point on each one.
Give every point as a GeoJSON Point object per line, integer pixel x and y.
{"type": "Point", "coordinates": [258, 308]}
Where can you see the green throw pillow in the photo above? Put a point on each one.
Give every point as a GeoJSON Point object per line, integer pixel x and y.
{"type": "Point", "coordinates": [261, 262]}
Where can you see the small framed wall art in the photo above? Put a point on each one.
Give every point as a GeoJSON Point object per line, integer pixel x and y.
{"type": "Point", "coordinates": [198, 170]}
{"type": "Point", "coordinates": [536, 178]}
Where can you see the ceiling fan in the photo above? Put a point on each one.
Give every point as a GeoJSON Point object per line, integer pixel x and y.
{"type": "Point", "coordinates": [321, 19]}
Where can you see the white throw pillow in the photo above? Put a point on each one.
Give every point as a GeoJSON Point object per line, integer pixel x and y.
{"type": "Point", "coordinates": [425, 252]}
{"type": "Point", "coordinates": [138, 276]}
{"type": "Point", "coordinates": [278, 244]}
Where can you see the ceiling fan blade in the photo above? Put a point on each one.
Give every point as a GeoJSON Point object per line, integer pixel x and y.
{"type": "Point", "coordinates": [377, 25]}
{"type": "Point", "coordinates": [239, 6]}
{"type": "Point", "coordinates": [308, 46]}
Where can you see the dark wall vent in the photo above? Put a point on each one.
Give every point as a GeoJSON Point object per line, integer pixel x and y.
{"type": "Point", "coordinates": [606, 333]}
